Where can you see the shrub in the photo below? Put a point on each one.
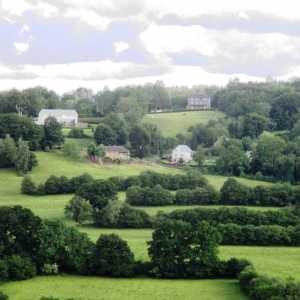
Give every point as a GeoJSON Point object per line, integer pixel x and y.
{"type": "Point", "coordinates": [76, 133]}
{"type": "Point", "coordinates": [3, 296]}
{"type": "Point", "coordinates": [20, 268]}
{"type": "Point", "coordinates": [28, 187]}
{"type": "Point", "coordinates": [71, 149]}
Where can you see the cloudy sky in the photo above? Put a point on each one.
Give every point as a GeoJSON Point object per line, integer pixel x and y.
{"type": "Point", "coordinates": [66, 44]}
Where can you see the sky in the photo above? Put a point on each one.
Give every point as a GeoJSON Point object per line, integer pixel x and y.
{"type": "Point", "coordinates": [66, 44]}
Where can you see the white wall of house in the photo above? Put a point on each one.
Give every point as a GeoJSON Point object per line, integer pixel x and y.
{"type": "Point", "coordinates": [62, 116]}
{"type": "Point", "coordinates": [182, 151]}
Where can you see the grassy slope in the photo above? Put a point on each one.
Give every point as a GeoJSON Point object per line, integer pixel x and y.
{"type": "Point", "coordinates": [57, 164]}
{"type": "Point", "coordinates": [172, 123]}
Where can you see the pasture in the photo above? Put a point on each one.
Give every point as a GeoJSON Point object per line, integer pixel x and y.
{"type": "Point", "coordinates": [172, 123]}
{"type": "Point", "coordinates": [54, 163]}
{"type": "Point", "coordinates": [281, 261]}
{"type": "Point", "coordinates": [95, 288]}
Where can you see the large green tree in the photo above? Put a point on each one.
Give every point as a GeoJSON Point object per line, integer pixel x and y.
{"type": "Point", "coordinates": [232, 160]}
{"type": "Point", "coordinates": [98, 192]}
{"type": "Point", "coordinates": [105, 135]}
{"type": "Point", "coordinates": [180, 250]}
{"type": "Point", "coordinates": [118, 125]}
{"type": "Point", "coordinates": [52, 133]}
{"type": "Point", "coordinates": [138, 137]}
{"type": "Point", "coordinates": [78, 210]}
{"type": "Point", "coordinates": [112, 257]}
{"type": "Point", "coordinates": [268, 148]}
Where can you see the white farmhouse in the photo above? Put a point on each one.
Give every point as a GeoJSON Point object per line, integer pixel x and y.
{"type": "Point", "coordinates": [63, 116]}
{"type": "Point", "coordinates": [182, 151]}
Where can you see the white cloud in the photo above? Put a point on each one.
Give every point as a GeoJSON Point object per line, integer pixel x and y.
{"type": "Point", "coordinates": [162, 40]}
{"type": "Point", "coordinates": [23, 29]}
{"type": "Point", "coordinates": [243, 15]}
{"type": "Point", "coordinates": [89, 17]}
{"type": "Point", "coordinates": [21, 47]}
{"type": "Point", "coordinates": [121, 46]}
{"type": "Point", "coordinates": [16, 7]}
{"type": "Point", "coordinates": [47, 10]}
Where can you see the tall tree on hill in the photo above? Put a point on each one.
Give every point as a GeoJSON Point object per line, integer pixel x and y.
{"type": "Point", "coordinates": [118, 125]}
{"type": "Point", "coordinates": [268, 148]}
{"type": "Point", "coordinates": [139, 137]}
{"type": "Point", "coordinates": [105, 135]}
{"type": "Point", "coordinates": [52, 133]}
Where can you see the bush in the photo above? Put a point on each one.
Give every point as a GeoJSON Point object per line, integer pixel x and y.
{"type": "Point", "coordinates": [20, 268]}
{"type": "Point", "coordinates": [3, 296]}
{"type": "Point", "coordinates": [28, 187]}
{"type": "Point", "coordinates": [77, 133]}
{"type": "Point", "coordinates": [71, 149]}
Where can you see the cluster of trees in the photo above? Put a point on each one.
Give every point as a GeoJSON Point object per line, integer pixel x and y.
{"type": "Point", "coordinates": [37, 137]}
{"type": "Point", "coordinates": [178, 249]}
{"type": "Point", "coordinates": [54, 185]}
{"type": "Point", "coordinates": [142, 139]}
{"type": "Point", "coordinates": [190, 180]}
{"type": "Point", "coordinates": [16, 155]}
{"type": "Point", "coordinates": [63, 185]}
{"type": "Point", "coordinates": [234, 193]}
{"type": "Point", "coordinates": [262, 287]}
{"type": "Point", "coordinates": [235, 215]}
{"type": "Point", "coordinates": [157, 196]}
{"type": "Point", "coordinates": [264, 235]}
{"type": "Point", "coordinates": [131, 101]}
{"type": "Point", "coordinates": [118, 214]}
{"type": "Point", "coordinates": [31, 246]}
{"type": "Point", "coordinates": [200, 196]}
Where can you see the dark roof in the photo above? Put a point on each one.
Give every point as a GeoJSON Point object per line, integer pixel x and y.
{"type": "Point", "coordinates": [198, 95]}
{"type": "Point", "coordinates": [116, 149]}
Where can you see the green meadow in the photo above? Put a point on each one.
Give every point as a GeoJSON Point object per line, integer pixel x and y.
{"type": "Point", "coordinates": [172, 123]}
{"type": "Point", "coordinates": [281, 261]}
{"type": "Point", "coordinates": [93, 288]}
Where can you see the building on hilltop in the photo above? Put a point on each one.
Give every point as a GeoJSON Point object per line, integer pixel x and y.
{"type": "Point", "coordinates": [198, 101]}
{"type": "Point", "coordinates": [66, 117]}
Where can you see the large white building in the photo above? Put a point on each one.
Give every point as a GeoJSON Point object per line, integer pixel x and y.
{"type": "Point", "coordinates": [182, 151]}
{"type": "Point", "coordinates": [63, 116]}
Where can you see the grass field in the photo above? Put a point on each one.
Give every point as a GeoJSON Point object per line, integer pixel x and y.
{"type": "Point", "coordinates": [93, 288]}
{"type": "Point", "coordinates": [57, 164]}
{"type": "Point", "coordinates": [87, 131]}
{"type": "Point", "coordinates": [172, 123]}
{"type": "Point", "coordinates": [281, 261]}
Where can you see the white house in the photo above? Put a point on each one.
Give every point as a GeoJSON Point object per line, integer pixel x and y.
{"type": "Point", "coordinates": [182, 151]}
{"type": "Point", "coordinates": [63, 116]}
